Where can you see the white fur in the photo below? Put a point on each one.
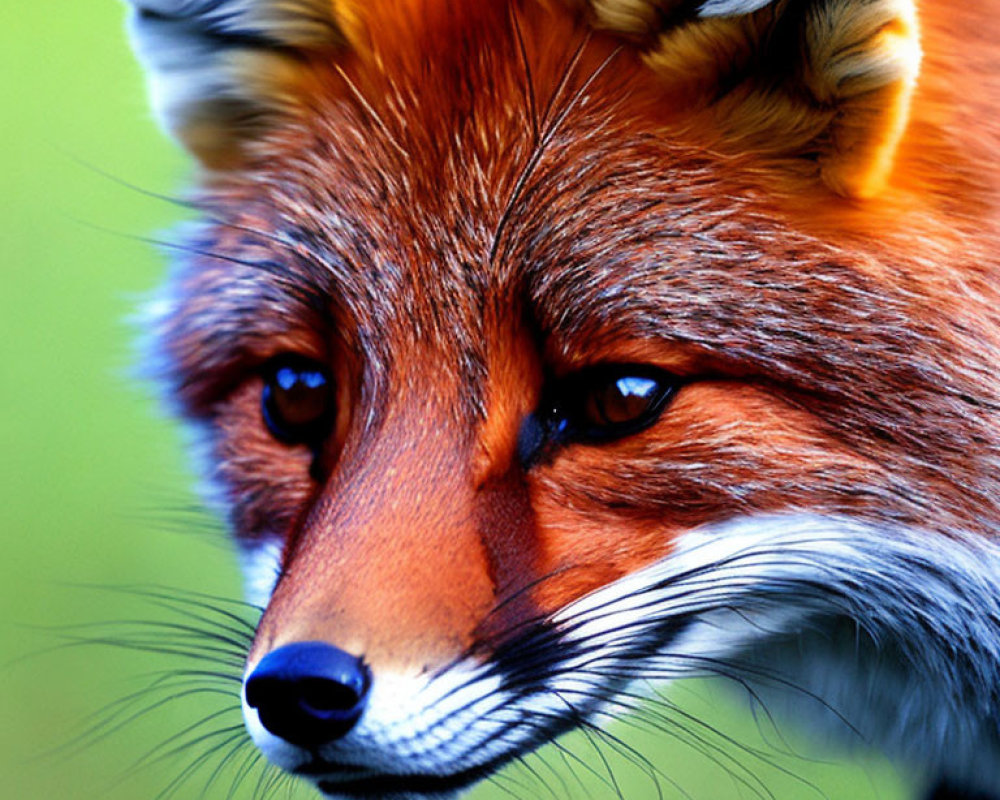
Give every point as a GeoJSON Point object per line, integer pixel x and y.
{"type": "Point", "coordinates": [260, 563]}
{"type": "Point", "coordinates": [729, 8]}
{"type": "Point", "coordinates": [412, 725]}
{"type": "Point", "coordinates": [890, 634]}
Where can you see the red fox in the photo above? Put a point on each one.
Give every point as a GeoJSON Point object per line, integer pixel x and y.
{"type": "Point", "coordinates": [546, 348]}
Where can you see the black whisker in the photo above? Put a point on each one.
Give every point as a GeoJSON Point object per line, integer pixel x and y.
{"type": "Point", "coordinates": [180, 202]}
{"type": "Point", "coordinates": [624, 749]}
{"type": "Point", "coordinates": [564, 754]}
{"type": "Point", "coordinates": [585, 729]}
{"type": "Point", "coordinates": [671, 723]}
{"type": "Point", "coordinates": [269, 777]}
{"type": "Point", "coordinates": [537, 755]}
{"type": "Point", "coordinates": [517, 788]}
{"type": "Point", "coordinates": [176, 744]}
{"type": "Point", "coordinates": [121, 717]}
{"type": "Point", "coordinates": [238, 745]}
{"type": "Point", "coordinates": [536, 154]}
{"type": "Point", "coordinates": [186, 774]}
{"type": "Point", "coordinates": [210, 636]}
{"type": "Point", "coordinates": [253, 759]}
{"type": "Point", "coordinates": [523, 764]}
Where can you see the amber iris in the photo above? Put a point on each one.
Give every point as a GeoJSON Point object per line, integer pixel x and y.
{"type": "Point", "coordinates": [297, 400]}
{"type": "Point", "coordinates": [612, 401]}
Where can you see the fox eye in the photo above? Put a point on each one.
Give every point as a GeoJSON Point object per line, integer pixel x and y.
{"type": "Point", "coordinates": [297, 400]}
{"type": "Point", "coordinates": [609, 402]}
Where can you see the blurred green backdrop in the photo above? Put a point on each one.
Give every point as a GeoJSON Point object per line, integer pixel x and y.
{"type": "Point", "coordinates": [93, 487]}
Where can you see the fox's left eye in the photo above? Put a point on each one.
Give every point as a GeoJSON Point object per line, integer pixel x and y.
{"type": "Point", "coordinates": [612, 401]}
{"type": "Point", "coordinates": [297, 400]}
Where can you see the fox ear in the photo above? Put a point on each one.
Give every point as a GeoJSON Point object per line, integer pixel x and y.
{"type": "Point", "coordinates": [825, 80]}
{"type": "Point", "coordinates": [221, 71]}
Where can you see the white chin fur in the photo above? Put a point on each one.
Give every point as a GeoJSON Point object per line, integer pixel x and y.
{"type": "Point", "coordinates": [798, 599]}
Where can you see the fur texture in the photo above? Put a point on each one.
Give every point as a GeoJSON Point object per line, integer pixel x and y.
{"type": "Point", "coordinates": [830, 80]}
{"type": "Point", "coordinates": [222, 71]}
{"type": "Point", "coordinates": [907, 658]}
{"type": "Point", "coordinates": [470, 202]}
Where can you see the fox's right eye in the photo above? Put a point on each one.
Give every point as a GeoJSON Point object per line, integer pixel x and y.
{"type": "Point", "coordinates": [297, 401]}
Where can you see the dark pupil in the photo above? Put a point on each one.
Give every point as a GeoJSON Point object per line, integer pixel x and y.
{"type": "Point", "coordinates": [299, 396]}
{"type": "Point", "coordinates": [622, 400]}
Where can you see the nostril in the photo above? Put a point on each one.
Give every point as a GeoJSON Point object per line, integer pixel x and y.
{"type": "Point", "coordinates": [324, 697]}
{"type": "Point", "coordinates": [308, 693]}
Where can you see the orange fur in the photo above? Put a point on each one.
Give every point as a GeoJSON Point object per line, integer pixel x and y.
{"type": "Point", "coordinates": [460, 204]}
{"type": "Point", "coordinates": [799, 227]}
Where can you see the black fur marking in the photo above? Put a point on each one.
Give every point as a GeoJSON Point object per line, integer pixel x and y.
{"type": "Point", "coordinates": [525, 663]}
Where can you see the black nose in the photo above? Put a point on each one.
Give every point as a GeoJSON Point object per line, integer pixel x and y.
{"type": "Point", "coordinates": [309, 693]}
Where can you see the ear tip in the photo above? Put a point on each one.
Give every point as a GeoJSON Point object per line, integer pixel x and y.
{"type": "Point", "coordinates": [870, 125]}
{"type": "Point", "coordinates": [219, 69]}
{"type": "Point", "coordinates": [863, 147]}
{"type": "Point", "coordinates": [854, 183]}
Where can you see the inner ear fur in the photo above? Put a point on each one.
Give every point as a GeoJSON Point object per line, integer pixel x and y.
{"type": "Point", "coordinates": [825, 81]}
{"type": "Point", "coordinates": [222, 71]}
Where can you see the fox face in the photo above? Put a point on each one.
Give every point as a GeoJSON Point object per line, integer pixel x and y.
{"type": "Point", "coordinates": [538, 350]}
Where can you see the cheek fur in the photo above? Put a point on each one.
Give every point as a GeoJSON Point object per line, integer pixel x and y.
{"type": "Point", "coordinates": [720, 449]}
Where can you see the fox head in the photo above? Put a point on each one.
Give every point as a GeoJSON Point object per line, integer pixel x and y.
{"type": "Point", "coordinates": [543, 347]}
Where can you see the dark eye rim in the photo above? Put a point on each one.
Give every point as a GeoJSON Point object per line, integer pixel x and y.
{"type": "Point", "coordinates": [312, 433]}
{"type": "Point", "coordinates": [570, 397]}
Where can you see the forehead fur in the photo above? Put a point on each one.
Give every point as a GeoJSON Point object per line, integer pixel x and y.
{"type": "Point", "coordinates": [829, 81]}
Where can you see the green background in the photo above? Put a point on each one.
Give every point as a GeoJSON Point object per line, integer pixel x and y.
{"type": "Point", "coordinates": [93, 485]}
